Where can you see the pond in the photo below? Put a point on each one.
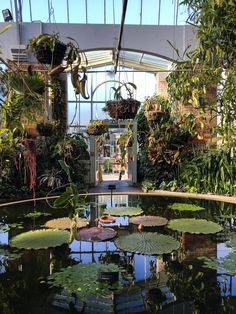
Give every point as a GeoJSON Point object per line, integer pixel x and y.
{"type": "Point", "coordinates": [156, 268]}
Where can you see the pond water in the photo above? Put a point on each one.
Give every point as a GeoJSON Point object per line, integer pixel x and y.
{"type": "Point", "coordinates": [174, 282]}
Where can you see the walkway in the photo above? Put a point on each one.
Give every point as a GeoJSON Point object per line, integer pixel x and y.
{"type": "Point", "coordinates": [121, 186]}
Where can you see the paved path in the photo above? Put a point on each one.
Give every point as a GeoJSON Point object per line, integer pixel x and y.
{"type": "Point", "coordinates": [121, 186]}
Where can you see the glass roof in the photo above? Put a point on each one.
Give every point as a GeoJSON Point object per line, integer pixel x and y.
{"type": "Point", "coordinates": [143, 12]}
{"type": "Point", "coordinates": [129, 59]}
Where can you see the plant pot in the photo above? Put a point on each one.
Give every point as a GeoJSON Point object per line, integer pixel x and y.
{"type": "Point", "coordinates": [108, 276]}
{"type": "Point", "coordinates": [122, 109]}
{"type": "Point", "coordinates": [46, 56]}
{"type": "Point", "coordinates": [96, 129]}
{"type": "Point", "coordinates": [45, 129]}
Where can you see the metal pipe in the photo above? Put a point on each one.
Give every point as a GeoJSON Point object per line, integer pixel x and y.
{"type": "Point", "coordinates": [125, 2]}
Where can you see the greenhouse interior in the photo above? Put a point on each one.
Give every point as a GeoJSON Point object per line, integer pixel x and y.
{"type": "Point", "coordinates": [117, 156]}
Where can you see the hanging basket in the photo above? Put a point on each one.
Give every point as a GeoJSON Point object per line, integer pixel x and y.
{"type": "Point", "coordinates": [46, 56]}
{"type": "Point", "coordinates": [122, 109]}
{"type": "Point", "coordinates": [96, 127]}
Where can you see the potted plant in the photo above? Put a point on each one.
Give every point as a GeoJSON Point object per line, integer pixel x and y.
{"type": "Point", "coordinates": [156, 108]}
{"type": "Point", "coordinates": [46, 128]}
{"type": "Point", "coordinates": [48, 49]}
{"type": "Point", "coordinates": [96, 127]}
{"type": "Point", "coordinates": [121, 108]}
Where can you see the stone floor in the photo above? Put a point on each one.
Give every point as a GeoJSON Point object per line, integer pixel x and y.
{"type": "Point", "coordinates": [121, 186]}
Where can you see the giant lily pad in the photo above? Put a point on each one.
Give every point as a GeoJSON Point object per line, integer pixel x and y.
{"type": "Point", "coordinates": [150, 243]}
{"type": "Point", "coordinates": [123, 211]}
{"type": "Point", "coordinates": [96, 234]}
{"type": "Point", "coordinates": [186, 207]}
{"type": "Point", "coordinates": [83, 279]}
{"type": "Point", "coordinates": [193, 225]}
{"type": "Point", "coordinates": [65, 223]}
{"type": "Point", "coordinates": [149, 221]}
{"type": "Point", "coordinates": [40, 239]}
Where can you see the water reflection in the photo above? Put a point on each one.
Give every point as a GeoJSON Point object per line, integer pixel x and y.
{"type": "Point", "coordinates": [170, 281]}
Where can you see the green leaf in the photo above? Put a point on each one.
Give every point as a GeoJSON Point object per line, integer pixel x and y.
{"type": "Point", "coordinates": [150, 243]}
{"type": "Point", "coordinates": [193, 225]}
{"type": "Point", "coordinates": [40, 239]}
{"type": "Point", "coordinates": [123, 211]}
{"type": "Point", "coordinates": [64, 198]}
{"type": "Point", "coordinates": [185, 207]}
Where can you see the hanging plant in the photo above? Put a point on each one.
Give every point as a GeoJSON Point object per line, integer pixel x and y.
{"type": "Point", "coordinates": [96, 127]}
{"type": "Point", "coordinates": [121, 108]}
{"type": "Point", "coordinates": [30, 163]}
{"type": "Point", "coordinates": [156, 108]}
{"type": "Point", "coordinates": [48, 49]}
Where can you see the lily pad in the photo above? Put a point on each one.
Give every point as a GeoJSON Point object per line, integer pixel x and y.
{"type": "Point", "coordinates": [36, 214]}
{"type": "Point", "coordinates": [65, 223]}
{"type": "Point", "coordinates": [123, 211]}
{"type": "Point", "coordinates": [40, 239]}
{"type": "Point", "coordinates": [150, 243]}
{"type": "Point", "coordinates": [185, 207]}
{"type": "Point", "coordinates": [149, 221]}
{"type": "Point", "coordinates": [193, 225]}
{"type": "Point", "coordinates": [83, 279]}
{"type": "Point", "coordinates": [96, 234]}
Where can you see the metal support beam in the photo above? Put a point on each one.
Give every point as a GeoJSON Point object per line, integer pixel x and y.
{"type": "Point", "coordinates": [125, 2]}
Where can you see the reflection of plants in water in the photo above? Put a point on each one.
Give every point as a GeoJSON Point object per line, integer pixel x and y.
{"type": "Point", "coordinates": [85, 280]}
{"type": "Point", "coordinates": [189, 282]}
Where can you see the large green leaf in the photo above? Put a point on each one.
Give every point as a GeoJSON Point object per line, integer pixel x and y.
{"type": "Point", "coordinates": [150, 243]}
{"type": "Point", "coordinates": [123, 211]}
{"type": "Point", "coordinates": [65, 223]}
{"type": "Point", "coordinates": [40, 239]}
{"type": "Point", "coordinates": [148, 221]}
{"type": "Point", "coordinates": [193, 225]}
{"type": "Point", "coordinates": [96, 234]}
{"type": "Point", "coordinates": [83, 279]}
{"type": "Point", "coordinates": [185, 207]}
{"type": "Point", "coordinates": [64, 198]}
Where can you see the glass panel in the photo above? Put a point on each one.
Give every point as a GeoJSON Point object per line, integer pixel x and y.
{"type": "Point", "coordinates": [6, 5]}
{"type": "Point", "coordinates": [77, 12]}
{"type": "Point", "coordinates": [96, 11]}
{"type": "Point", "coordinates": [60, 11]}
{"type": "Point", "coordinates": [133, 12]}
{"type": "Point", "coordinates": [98, 113]}
{"type": "Point", "coordinates": [182, 15]}
{"type": "Point", "coordinates": [85, 113]}
{"type": "Point", "coordinates": [150, 12]}
{"type": "Point", "coordinates": [40, 10]}
{"type": "Point", "coordinates": [167, 12]}
{"type": "Point", "coordinates": [110, 18]}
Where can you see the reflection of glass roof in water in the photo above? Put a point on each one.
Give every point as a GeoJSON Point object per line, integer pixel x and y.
{"type": "Point", "coordinates": [130, 59]}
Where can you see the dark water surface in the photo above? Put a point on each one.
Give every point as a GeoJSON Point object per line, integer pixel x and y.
{"type": "Point", "coordinates": [169, 283]}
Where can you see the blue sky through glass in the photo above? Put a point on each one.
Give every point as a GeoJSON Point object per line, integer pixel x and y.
{"type": "Point", "coordinates": [95, 11]}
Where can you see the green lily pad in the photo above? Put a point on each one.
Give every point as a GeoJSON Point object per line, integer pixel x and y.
{"type": "Point", "coordinates": [150, 243]}
{"type": "Point", "coordinates": [123, 211]}
{"type": "Point", "coordinates": [185, 207]}
{"type": "Point", "coordinates": [193, 225]}
{"type": "Point", "coordinates": [36, 214]}
{"type": "Point", "coordinates": [65, 223]}
{"type": "Point", "coordinates": [40, 239]}
{"type": "Point", "coordinates": [83, 279]}
{"type": "Point", "coordinates": [226, 265]}
{"type": "Point", "coordinates": [95, 234]}
{"type": "Point", "coordinates": [149, 221]}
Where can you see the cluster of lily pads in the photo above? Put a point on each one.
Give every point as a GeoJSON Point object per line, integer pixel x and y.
{"type": "Point", "coordinates": [83, 278]}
